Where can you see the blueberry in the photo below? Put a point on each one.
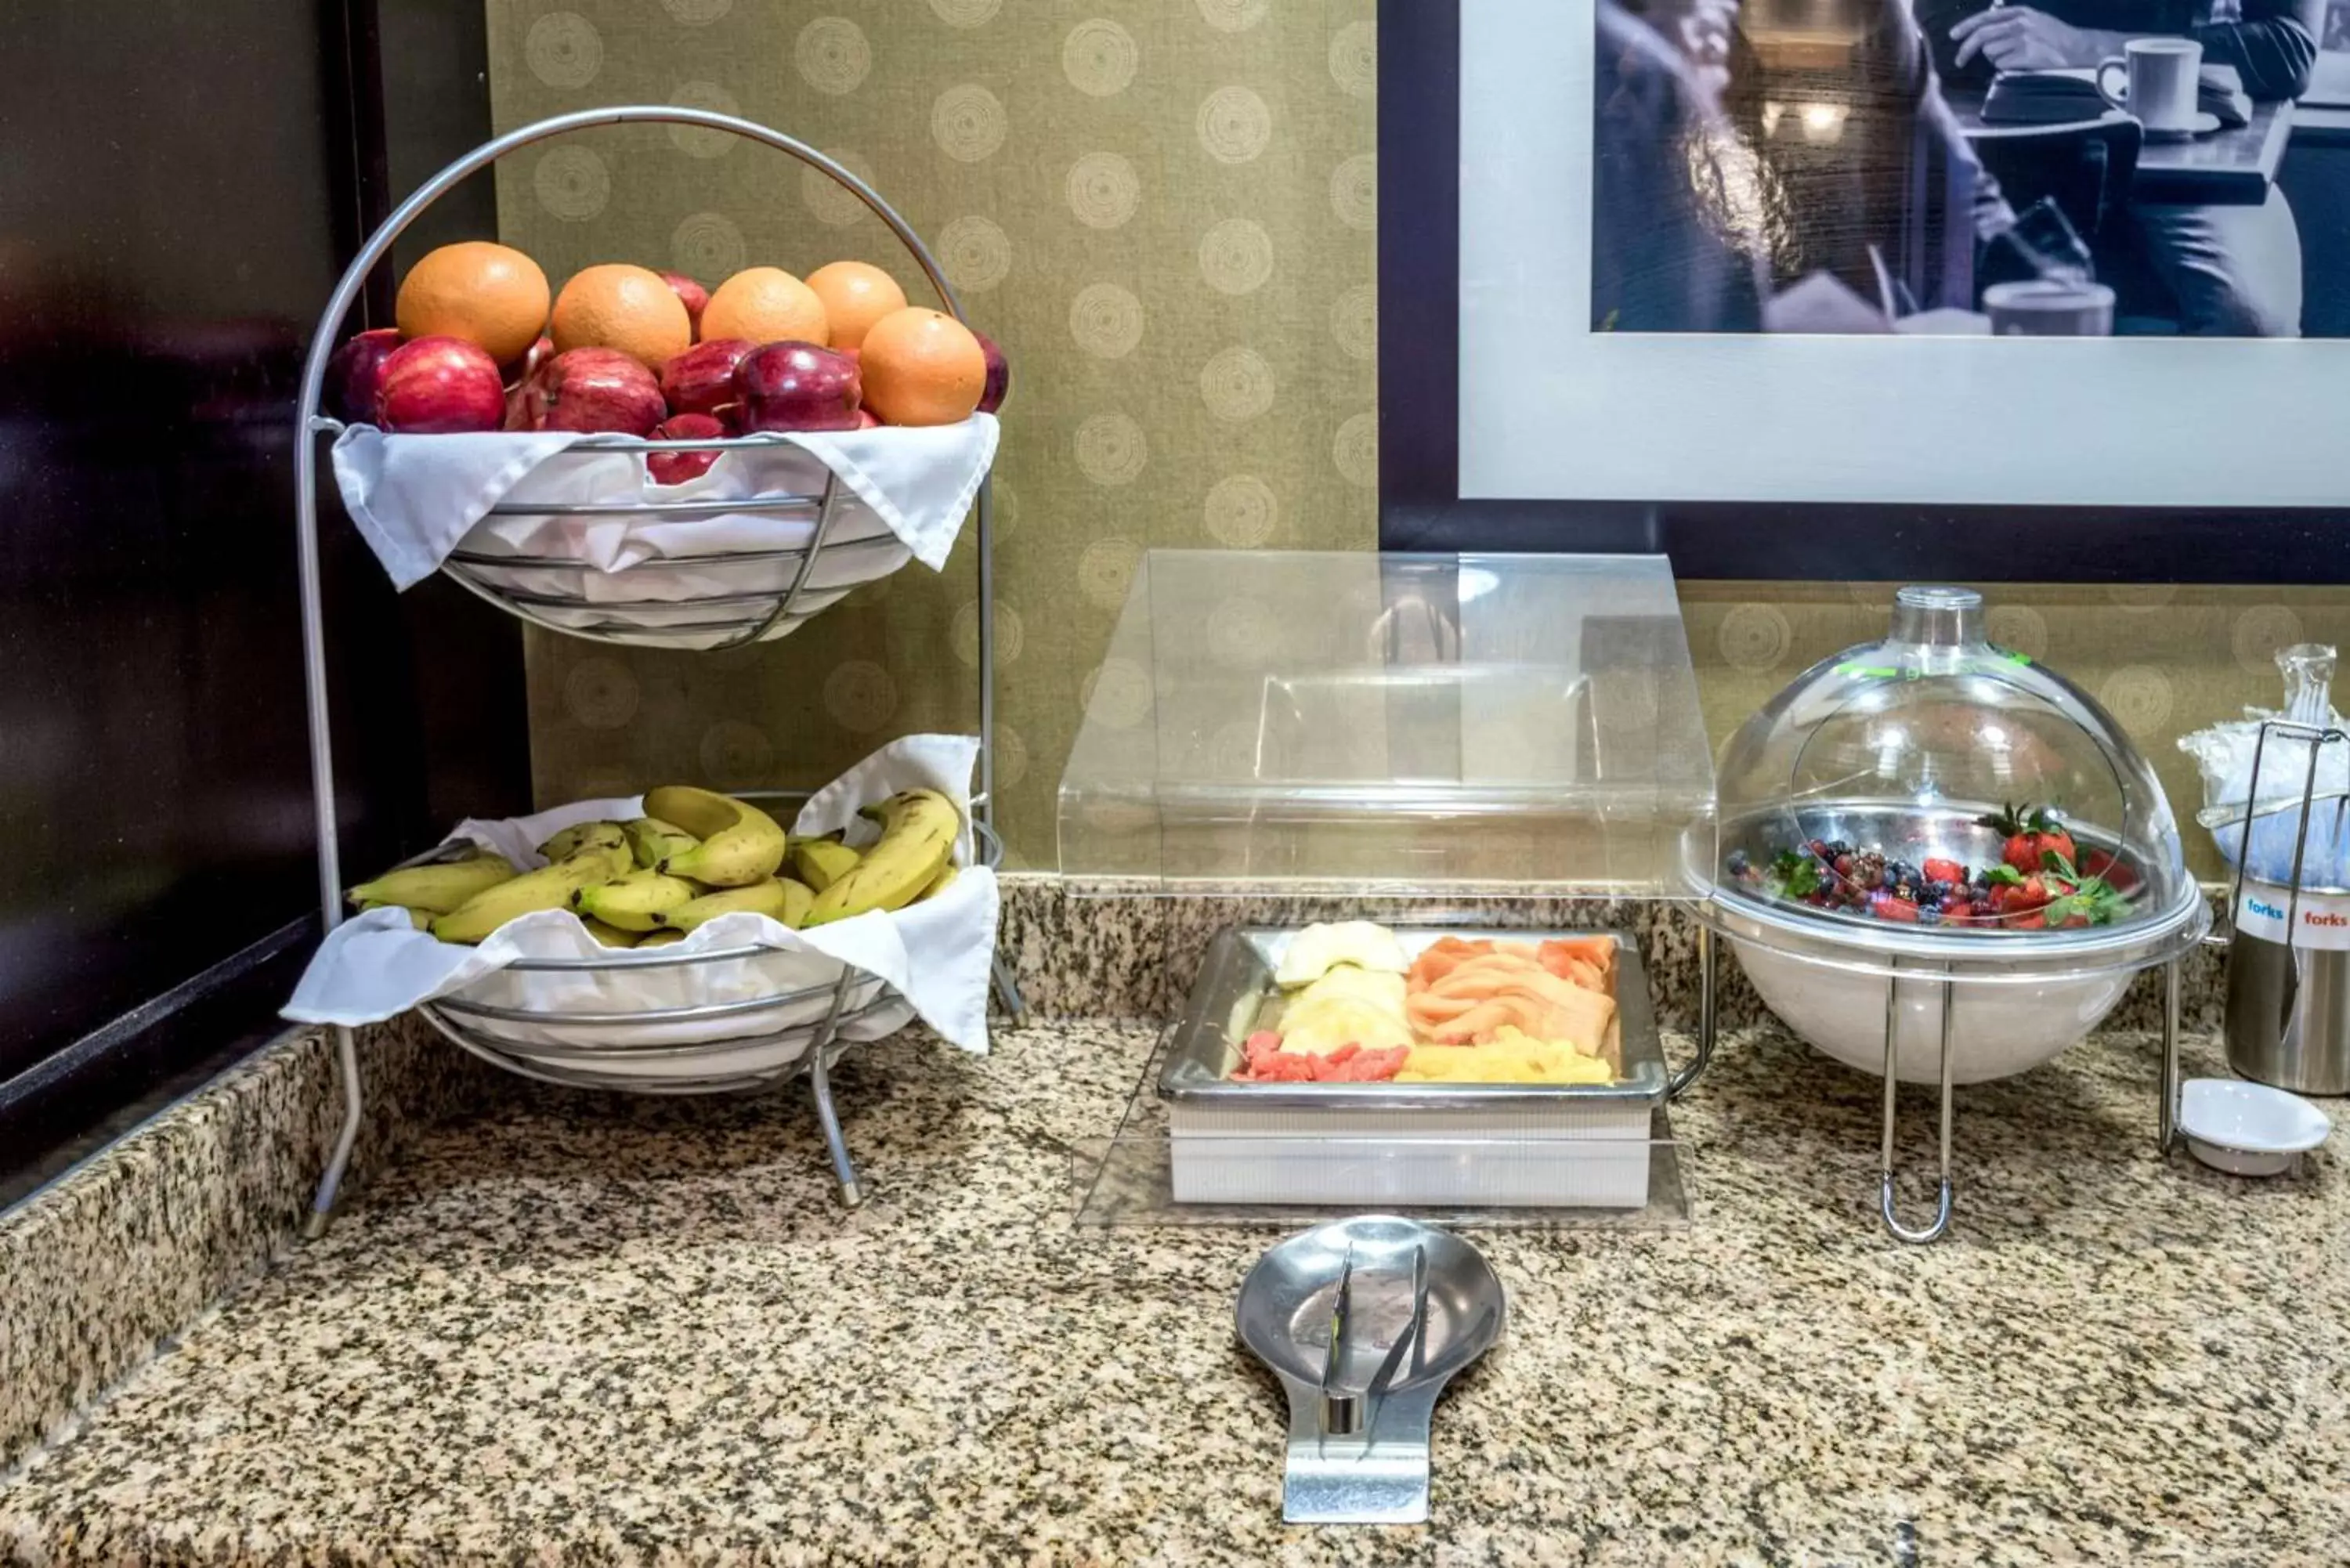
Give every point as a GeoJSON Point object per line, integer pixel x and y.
{"type": "Point", "coordinates": [1739, 864]}
{"type": "Point", "coordinates": [1929, 916]}
{"type": "Point", "coordinates": [1838, 847]}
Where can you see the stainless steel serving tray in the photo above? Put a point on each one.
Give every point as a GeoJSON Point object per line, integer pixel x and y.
{"type": "Point", "coordinates": [1237, 978]}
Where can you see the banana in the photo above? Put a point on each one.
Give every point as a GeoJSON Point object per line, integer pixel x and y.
{"type": "Point", "coordinates": [611, 936]}
{"type": "Point", "coordinates": [651, 839]}
{"type": "Point", "coordinates": [584, 836]}
{"type": "Point", "coordinates": [420, 918]}
{"type": "Point", "coordinates": [436, 889]}
{"type": "Point", "coordinates": [821, 862]}
{"type": "Point", "coordinates": [740, 844]}
{"type": "Point", "coordinates": [938, 884]}
{"type": "Point", "coordinates": [777, 898]}
{"type": "Point", "coordinates": [918, 834]}
{"type": "Point", "coordinates": [548, 888]}
{"type": "Point", "coordinates": [635, 902]}
{"type": "Point", "coordinates": [660, 938]}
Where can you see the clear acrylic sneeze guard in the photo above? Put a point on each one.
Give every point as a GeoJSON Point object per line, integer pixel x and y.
{"type": "Point", "coordinates": [1429, 728]}
{"type": "Point", "coordinates": [1393, 724]}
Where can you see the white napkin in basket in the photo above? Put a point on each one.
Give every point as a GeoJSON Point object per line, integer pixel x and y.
{"type": "Point", "coordinates": [936, 954]}
{"type": "Point", "coordinates": [415, 497]}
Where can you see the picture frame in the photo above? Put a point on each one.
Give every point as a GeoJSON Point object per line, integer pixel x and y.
{"type": "Point", "coordinates": [1770, 498]}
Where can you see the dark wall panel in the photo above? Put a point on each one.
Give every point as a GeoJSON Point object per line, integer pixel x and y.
{"type": "Point", "coordinates": [183, 183]}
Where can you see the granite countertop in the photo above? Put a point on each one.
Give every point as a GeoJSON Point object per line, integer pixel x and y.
{"type": "Point", "coordinates": [581, 1330]}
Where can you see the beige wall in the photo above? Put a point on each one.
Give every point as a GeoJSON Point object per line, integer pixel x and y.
{"type": "Point", "coordinates": [1164, 209]}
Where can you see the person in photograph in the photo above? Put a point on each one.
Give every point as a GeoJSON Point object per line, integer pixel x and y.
{"type": "Point", "coordinates": [1670, 252]}
{"type": "Point", "coordinates": [2230, 271]}
{"type": "Point", "coordinates": [1885, 179]}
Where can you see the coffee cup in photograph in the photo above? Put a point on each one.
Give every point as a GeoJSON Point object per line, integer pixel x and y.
{"type": "Point", "coordinates": [2158, 81]}
{"type": "Point", "coordinates": [2050, 307]}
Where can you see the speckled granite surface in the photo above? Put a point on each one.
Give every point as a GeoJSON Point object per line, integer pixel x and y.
{"type": "Point", "coordinates": [126, 1248]}
{"type": "Point", "coordinates": [581, 1330]}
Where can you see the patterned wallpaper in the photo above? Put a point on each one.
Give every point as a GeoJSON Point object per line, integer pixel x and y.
{"type": "Point", "coordinates": [1163, 209]}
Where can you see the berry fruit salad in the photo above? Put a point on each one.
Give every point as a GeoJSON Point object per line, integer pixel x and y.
{"type": "Point", "coordinates": [2039, 880]}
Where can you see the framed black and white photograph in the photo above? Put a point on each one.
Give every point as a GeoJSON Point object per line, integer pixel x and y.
{"type": "Point", "coordinates": [1870, 287]}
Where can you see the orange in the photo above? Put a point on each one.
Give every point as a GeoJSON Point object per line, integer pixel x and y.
{"type": "Point", "coordinates": [487, 295]}
{"type": "Point", "coordinates": [921, 367]}
{"type": "Point", "coordinates": [630, 308]}
{"type": "Point", "coordinates": [765, 305]}
{"type": "Point", "coordinates": [856, 295]}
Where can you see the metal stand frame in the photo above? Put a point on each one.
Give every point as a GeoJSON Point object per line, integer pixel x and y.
{"type": "Point", "coordinates": [1708, 1024]}
{"type": "Point", "coordinates": [2223, 935]}
{"type": "Point", "coordinates": [757, 617]}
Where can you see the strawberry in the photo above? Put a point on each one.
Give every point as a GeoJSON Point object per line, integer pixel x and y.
{"type": "Point", "coordinates": [2082, 900]}
{"type": "Point", "coordinates": [1944, 871]}
{"type": "Point", "coordinates": [2030, 834]}
{"type": "Point", "coordinates": [2032, 921]}
{"type": "Point", "coordinates": [1885, 907]}
{"type": "Point", "coordinates": [2014, 896]}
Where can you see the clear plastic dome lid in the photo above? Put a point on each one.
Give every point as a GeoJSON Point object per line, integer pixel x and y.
{"type": "Point", "coordinates": [1931, 793]}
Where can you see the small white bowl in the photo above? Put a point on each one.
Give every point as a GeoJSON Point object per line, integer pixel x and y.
{"type": "Point", "coordinates": [2247, 1129]}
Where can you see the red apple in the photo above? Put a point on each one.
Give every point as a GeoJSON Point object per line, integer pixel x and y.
{"type": "Point", "coordinates": [698, 380]}
{"type": "Point", "coordinates": [594, 389]}
{"type": "Point", "coordinates": [355, 371]}
{"type": "Point", "coordinates": [866, 421]}
{"type": "Point", "coordinates": [692, 293]}
{"type": "Point", "coordinates": [798, 387]}
{"type": "Point", "coordinates": [999, 374]}
{"type": "Point", "coordinates": [677, 467]}
{"type": "Point", "coordinates": [436, 386]}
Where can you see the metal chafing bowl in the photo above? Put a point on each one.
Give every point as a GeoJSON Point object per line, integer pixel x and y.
{"type": "Point", "coordinates": [2029, 993]}
{"type": "Point", "coordinates": [1236, 981]}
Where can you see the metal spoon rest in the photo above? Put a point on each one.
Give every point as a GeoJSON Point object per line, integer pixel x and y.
{"type": "Point", "coordinates": [1365, 1321]}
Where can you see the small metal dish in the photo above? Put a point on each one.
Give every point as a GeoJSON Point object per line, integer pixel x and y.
{"type": "Point", "coordinates": [1365, 1321]}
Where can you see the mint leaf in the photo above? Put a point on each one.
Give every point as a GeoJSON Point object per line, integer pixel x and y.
{"type": "Point", "coordinates": [1792, 875]}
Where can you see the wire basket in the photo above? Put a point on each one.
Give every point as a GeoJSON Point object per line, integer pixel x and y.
{"type": "Point", "coordinates": [705, 599]}
{"type": "Point", "coordinates": [746, 1033]}
{"type": "Point", "coordinates": [702, 601]}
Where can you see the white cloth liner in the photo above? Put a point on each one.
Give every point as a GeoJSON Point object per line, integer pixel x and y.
{"type": "Point", "coordinates": [417, 498]}
{"type": "Point", "coordinates": [935, 956]}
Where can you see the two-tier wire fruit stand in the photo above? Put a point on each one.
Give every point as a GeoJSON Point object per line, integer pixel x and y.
{"type": "Point", "coordinates": [789, 1032]}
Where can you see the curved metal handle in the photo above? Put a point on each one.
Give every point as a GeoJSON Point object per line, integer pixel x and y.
{"type": "Point", "coordinates": [1709, 1006]}
{"type": "Point", "coordinates": [1892, 1090]}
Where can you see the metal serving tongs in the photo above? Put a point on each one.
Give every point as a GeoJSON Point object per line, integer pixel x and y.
{"type": "Point", "coordinates": [1407, 1340]}
{"type": "Point", "coordinates": [1342, 1413]}
{"type": "Point", "coordinates": [1358, 1451]}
